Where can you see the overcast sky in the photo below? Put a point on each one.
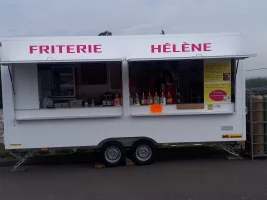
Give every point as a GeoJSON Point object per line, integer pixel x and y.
{"type": "Point", "coordinates": [87, 17]}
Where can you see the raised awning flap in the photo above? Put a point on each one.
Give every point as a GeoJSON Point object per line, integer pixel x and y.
{"type": "Point", "coordinates": [133, 48]}
{"type": "Point", "coordinates": [60, 61]}
{"type": "Point", "coordinates": [238, 57]}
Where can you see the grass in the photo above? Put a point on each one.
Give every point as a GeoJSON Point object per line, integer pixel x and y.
{"type": "Point", "coordinates": [2, 147]}
{"type": "Point", "coordinates": [3, 152]}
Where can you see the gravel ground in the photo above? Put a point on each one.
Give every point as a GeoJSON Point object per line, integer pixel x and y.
{"type": "Point", "coordinates": [177, 179]}
{"type": "Point", "coordinates": [180, 174]}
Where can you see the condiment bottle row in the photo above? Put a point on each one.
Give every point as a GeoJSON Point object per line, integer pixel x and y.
{"type": "Point", "coordinates": [149, 99]}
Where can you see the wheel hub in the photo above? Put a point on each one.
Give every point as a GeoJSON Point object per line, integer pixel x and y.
{"type": "Point", "coordinates": [112, 154]}
{"type": "Point", "coordinates": [143, 152]}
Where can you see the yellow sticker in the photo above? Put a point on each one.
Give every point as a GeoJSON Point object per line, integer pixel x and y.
{"type": "Point", "coordinates": [13, 145]}
{"type": "Point", "coordinates": [232, 136]}
{"type": "Point", "coordinates": [210, 106]}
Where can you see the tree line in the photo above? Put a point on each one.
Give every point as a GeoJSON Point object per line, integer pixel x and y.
{"type": "Point", "coordinates": [256, 82]}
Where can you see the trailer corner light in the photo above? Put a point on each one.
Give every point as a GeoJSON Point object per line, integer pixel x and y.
{"type": "Point", "coordinates": [239, 142]}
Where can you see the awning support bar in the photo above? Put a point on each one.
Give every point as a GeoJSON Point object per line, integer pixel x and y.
{"type": "Point", "coordinates": [10, 75]}
{"type": "Point", "coordinates": [237, 64]}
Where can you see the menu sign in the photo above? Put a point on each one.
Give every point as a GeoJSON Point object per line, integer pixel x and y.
{"type": "Point", "coordinates": [217, 81]}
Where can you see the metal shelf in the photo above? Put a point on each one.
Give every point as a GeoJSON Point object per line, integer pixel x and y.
{"type": "Point", "coordinates": [256, 143]}
{"type": "Point", "coordinates": [257, 101]}
{"type": "Point", "coordinates": [253, 122]}
{"type": "Point", "coordinates": [259, 155]}
{"type": "Point", "coordinates": [257, 134]}
{"type": "Point", "coordinates": [249, 121]}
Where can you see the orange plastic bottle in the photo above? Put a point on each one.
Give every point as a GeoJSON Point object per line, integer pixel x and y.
{"type": "Point", "coordinates": [169, 98]}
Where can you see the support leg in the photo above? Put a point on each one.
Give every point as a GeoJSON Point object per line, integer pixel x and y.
{"type": "Point", "coordinates": [21, 159]}
{"type": "Point", "coordinates": [230, 149]}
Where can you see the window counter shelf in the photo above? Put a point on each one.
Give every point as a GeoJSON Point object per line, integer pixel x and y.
{"type": "Point", "coordinates": [172, 110]}
{"type": "Point", "coordinates": [69, 113]}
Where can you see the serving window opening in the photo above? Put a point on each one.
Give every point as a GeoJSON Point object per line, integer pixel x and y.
{"type": "Point", "coordinates": [183, 84]}
{"type": "Point", "coordinates": [177, 81]}
{"type": "Point", "coordinates": [80, 85]}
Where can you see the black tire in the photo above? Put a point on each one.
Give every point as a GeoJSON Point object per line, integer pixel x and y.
{"type": "Point", "coordinates": [149, 152]}
{"type": "Point", "coordinates": [108, 154]}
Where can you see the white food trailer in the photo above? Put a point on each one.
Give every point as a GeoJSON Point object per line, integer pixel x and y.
{"type": "Point", "coordinates": [118, 92]}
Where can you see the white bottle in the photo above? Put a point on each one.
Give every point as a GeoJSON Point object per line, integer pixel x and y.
{"type": "Point", "coordinates": [93, 103]}
{"type": "Point", "coordinates": [162, 99]}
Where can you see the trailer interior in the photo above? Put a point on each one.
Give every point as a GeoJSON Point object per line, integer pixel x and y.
{"type": "Point", "coordinates": [76, 85]}
{"type": "Point", "coordinates": [99, 84]}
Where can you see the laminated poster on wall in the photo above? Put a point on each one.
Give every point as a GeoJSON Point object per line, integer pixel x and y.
{"type": "Point", "coordinates": [217, 81]}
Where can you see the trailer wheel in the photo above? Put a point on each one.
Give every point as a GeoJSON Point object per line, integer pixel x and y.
{"type": "Point", "coordinates": [113, 154]}
{"type": "Point", "coordinates": [143, 152]}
